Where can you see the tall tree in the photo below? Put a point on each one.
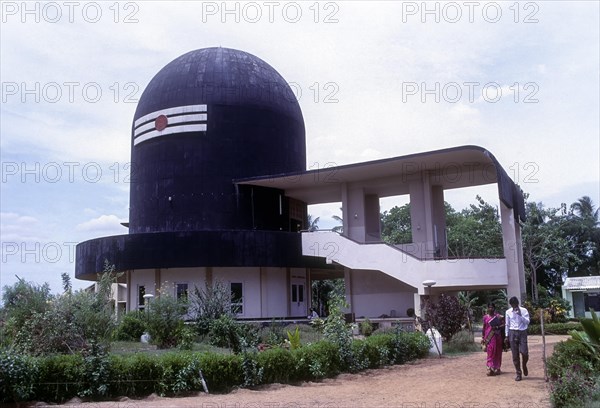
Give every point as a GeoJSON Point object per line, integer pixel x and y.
{"type": "Point", "coordinates": [546, 252]}
{"type": "Point", "coordinates": [396, 227]}
{"type": "Point", "coordinates": [338, 228]}
{"type": "Point", "coordinates": [313, 224]}
{"type": "Point", "coordinates": [582, 229]}
{"type": "Point", "coordinates": [475, 231]}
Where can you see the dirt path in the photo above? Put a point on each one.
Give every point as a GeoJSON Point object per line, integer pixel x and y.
{"type": "Point", "coordinates": [450, 382]}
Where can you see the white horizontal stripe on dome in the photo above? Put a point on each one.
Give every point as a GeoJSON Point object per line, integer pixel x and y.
{"type": "Point", "coordinates": [170, 130]}
{"type": "Point", "coordinates": [170, 111]}
{"type": "Point", "coordinates": [194, 117]}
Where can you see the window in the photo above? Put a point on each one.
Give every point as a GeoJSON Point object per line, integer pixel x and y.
{"type": "Point", "coordinates": [297, 293]}
{"type": "Point", "coordinates": [181, 291]}
{"type": "Point", "coordinates": [237, 298]}
{"type": "Point", "coordinates": [592, 300]}
{"type": "Point", "coordinates": [141, 293]}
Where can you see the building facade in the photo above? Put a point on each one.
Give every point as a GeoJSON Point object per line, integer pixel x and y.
{"type": "Point", "coordinates": [219, 192]}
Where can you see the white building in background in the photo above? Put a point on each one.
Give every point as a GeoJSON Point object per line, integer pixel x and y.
{"type": "Point", "coordinates": [583, 293]}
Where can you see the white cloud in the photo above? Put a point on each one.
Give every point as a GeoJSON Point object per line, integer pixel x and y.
{"type": "Point", "coordinates": [104, 224]}
{"type": "Point", "coordinates": [15, 227]}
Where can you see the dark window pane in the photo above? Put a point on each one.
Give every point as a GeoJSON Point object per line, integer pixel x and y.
{"type": "Point", "coordinates": [237, 296]}
{"type": "Point", "coordinates": [592, 300]}
{"type": "Point", "coordinates": [294, 293]}
{"type": "Point", "coordinates": [141, 293]}
{"type": "Point", "coordinates": [182, 291]}
{"type": "Point", "coordinates": [300, 293]}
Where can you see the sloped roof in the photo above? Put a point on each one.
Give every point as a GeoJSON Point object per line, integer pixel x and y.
{"type": "Point", "coordinates": [582, 283]}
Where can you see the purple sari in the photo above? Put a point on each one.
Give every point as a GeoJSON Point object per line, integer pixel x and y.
{"type": "Point", "coordinates": [494, 347]}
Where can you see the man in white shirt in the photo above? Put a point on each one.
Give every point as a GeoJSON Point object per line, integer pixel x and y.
{"type": "Point", "coordinates": [517, 321]}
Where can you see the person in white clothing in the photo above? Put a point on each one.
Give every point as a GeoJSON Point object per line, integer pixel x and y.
{"type": "Point", "coordinates": [516, 324]}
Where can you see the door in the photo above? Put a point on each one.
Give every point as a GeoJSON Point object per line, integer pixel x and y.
{"type": "Point", "coordinates": [298, 297]}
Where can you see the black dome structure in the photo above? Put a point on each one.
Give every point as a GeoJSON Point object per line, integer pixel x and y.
{"type": "Point", "coordinates": [209, 117]}
{"type": "Point", "coordinates": [226, 115]}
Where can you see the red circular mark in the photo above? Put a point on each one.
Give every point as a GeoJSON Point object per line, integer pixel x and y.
{"type": "Point", "coordinates": [161, 122]}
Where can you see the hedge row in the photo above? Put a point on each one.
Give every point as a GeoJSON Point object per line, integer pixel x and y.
{"type": "Point", "coordinates": [61, 377]}
{"type": "Point", "coordinates": [575, 375]}
{"type": "Point", "coordinates": [554, 328]}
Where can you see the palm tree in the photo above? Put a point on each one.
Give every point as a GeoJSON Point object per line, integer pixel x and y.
{"type": "Point", "coordinates": [584, 208]}
{"type": "Point", "coordinates": [584, 231]}
{"type": "Point", "coordinates": [338, 228]}
{"type": "Point", "coordinates": [312, 224]}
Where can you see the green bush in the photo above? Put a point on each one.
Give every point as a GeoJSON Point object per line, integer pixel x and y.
{"type": "Point", "coordinates": [273, 334]}
{"type": "Point", "coordinates": [279, 365]}
{"type": "Point", "coordinates": [571, 390]}
{"type": "Point", "coordinates": [96, 375]}
{"type": "Point", "coordinates": [553, 328]}
{"type": "Point", "coordinates": [574, 373]}
{"type": "Point", "coordinates": [379, 350]}
{"type": "Point", "coordinates": [60, 377]}
{"type": "Point", "coordinates": [569, 355]}
{"type": "Point", "coordinates": [165, 320]}
{"type": "Point", "coordinates": [18, 374]}
{"type": "Point", "coordinates": [221, 372]}
{"type": "Point", "coordinates": [406, 346]}
{"type": "Point", "coordinates": [462, 342]}
{"type": "Point", "coordinates": [316, 361]}
{"type": "Point", "coordinates": [365, 327]}
{"type": "Point", "coordinates": [227, 332]}
{"type": "Point", "coordinates": [38, 323]}
{"type": "Point", "coordinates": [208, 303]}
{"type": "Point", "coordinates": [131, 327]}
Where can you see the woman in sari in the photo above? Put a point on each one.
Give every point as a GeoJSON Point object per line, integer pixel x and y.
{"type": "Point", "coordinates": [493, 327]}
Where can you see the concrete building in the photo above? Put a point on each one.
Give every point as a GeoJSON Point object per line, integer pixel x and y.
{"type": "Point", "coordinates": [583, 293]}
{"type": "Point", "coordinates": [219, 191]}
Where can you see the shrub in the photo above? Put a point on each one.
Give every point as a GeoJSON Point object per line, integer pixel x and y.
{"type": "Point", "coordinates": [273, 334]}
{"type": "Point", "coordinates": [409, 346]}
{"type": "Point", "coordinates": [165, 320]}
{"type": "Point", "coordinates": [294, 339]}
{"type": "Point", "coordinates": [278, 364]}
{"type": "Point", "coordinates": [569, 354]}
{"type": "Point", "coordinates": [338, 332]}
{"type": "Point", "coordinates": [554, 328]}
{"type": "Point", "coordinates": [18, 374]}
{"type": "Point", "coordinates": [67, 323]}
{"type": "Point", "coordinates": [186, 338]}
{"type": "Point", "coordinates": [365, 327]}
{"type": "Point", "coordinates": [60, 377]}
{"type": "Point", "coordinates": [221, 372]}
{"type": "Point", "coordinates": [462, 342]}
{"type": "Point", "coordinates": [574, 373]}
{"type": "Point", "coordinates": [447, 315]}
{"type": "Point", "coordinates": [131, 327]}
{"type": "Point", "coordinates": [316, 361]}
{"type": "Point", "coordinates": [571, 389]}
{"type": "Point", "coordinates": [379, 350]}
{"type": "Point", "coordinates": [252, 371]}
{"type": "Point", "coordinates": [94, 374]}
{"type": "Point", "coordinates": [21, 301]}
{"type": "Point", "coordinates": [227, 332]}
{"type": "Point", "coordinates": [210, 303]}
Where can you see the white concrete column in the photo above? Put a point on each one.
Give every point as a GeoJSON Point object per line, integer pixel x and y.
{"type": "Point", "coordinates": [439, 221]}
{"type": "Point", "coordinates": [513, 252]}
{"type": "Point", "coordinates": [345, 211]}
{"type": "Point", "coordinates": [421, 216]}
{"type": "Point", "coordinates": [356, 214]}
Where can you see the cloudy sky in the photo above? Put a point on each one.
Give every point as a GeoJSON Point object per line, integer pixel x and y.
{"type": "Point", "coordinates": [374, 80]}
